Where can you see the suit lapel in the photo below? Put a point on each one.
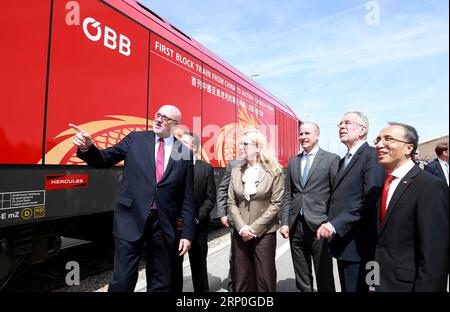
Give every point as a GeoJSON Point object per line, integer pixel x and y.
{"type": "Point", "coordinates": [297, 171]}
{"type": "Point", "coordinates": [261, 175]}
{"type": "Point", "coordinates": [150, 157]}
{"type": "Point", "coordinates": [313, 165]}
{"type": "Point", "coordinates": [173, 155]}
{"type": "Point", "coordinates": [404, 184]}
{"type": "Point", "coordinates": [353, 161]}
{"type": "Point", "coordinates": [438, 169]}
{"type": "Point", "coordinates": [337, 178]}
{"type": "Point", "coordinates": [197, 169]}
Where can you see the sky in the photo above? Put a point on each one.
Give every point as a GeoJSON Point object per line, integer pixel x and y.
{"type": "Point", "coordinates": [387, 58]}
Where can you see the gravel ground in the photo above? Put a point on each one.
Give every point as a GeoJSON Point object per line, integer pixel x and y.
{"type": "Point", "coordinates": [99, 282]}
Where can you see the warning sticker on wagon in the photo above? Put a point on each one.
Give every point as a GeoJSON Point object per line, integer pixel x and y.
{"type": "Point", "coordinates": [22, 199]}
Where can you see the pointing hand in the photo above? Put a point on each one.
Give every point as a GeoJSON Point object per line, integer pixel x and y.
{"type": "Point", "coordinates": [82, 140]}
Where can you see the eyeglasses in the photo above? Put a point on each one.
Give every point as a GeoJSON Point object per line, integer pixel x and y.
{"type": "Point", "coordinates": [164, 118]}
{"type": "Point", "coordinates": [388, 140]}
{"type": "Point", "coordinates": [348, 122]}
{"type": "Point", "coordinates": [246, 144]}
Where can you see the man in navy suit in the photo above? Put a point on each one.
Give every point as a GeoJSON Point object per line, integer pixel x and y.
{"type": "Point", "coordinates": [413, 238]}
{"type": "Point", "coordinates": [352, 215]}
{"type": "Point", "coordinates": [439, 166]}
{"type": "Point", "coordinates": [157, 187]}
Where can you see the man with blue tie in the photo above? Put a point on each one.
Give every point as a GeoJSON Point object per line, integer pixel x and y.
{"type": "Point", "coordinates": [157, 187]}
{"type": "Point", "coordinates": [352, 226]}
{"type": "Point", "coordinates": [439, 166]}
{"type": "Point", "coordinates": [307, 192]}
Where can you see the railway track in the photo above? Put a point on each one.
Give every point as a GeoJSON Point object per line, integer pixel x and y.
{"type": "Point", "coordinates": [92, 258]}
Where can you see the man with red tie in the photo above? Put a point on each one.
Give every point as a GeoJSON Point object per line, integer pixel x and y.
{"type": "Point", "coordinates": [157, 187]}
{"type": "Point", "coordinates": [412, 248]}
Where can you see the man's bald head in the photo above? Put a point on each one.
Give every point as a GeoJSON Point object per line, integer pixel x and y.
{"type": "Point", "coordinates": [166, 120]}
{"type": "Point", "coordinates": [314, 125]}
{"type": "Point", "coordinates": [171, 111]}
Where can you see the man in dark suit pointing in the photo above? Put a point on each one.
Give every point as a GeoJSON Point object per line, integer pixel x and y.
{"type": "Point", "coordinates": [157, 187]}
{"type": "Point", "coordinates": [413, 236]}
{"type": "Point", "coordinates": [307, 192]}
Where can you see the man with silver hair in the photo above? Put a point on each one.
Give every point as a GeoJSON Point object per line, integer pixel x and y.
{"type": "Point", "coordinates": [352, 226]}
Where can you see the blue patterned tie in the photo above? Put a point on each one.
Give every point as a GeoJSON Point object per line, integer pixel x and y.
{"type": "Point", "coordinates": [306, 170]}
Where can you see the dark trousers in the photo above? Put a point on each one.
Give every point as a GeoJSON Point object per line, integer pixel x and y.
{"type": "Point", "coordinates": [352, 276]}
{"type": "Point", "coordinates": [255, 269]}
{"type": "Point", "coordinates": [231, 286]}
{"type": "Point", "coordinates": [305, 246]}
{"type": "Point", "coordinates": [159, 255]}
{"type": "Point", "coordinates": [197, 260]}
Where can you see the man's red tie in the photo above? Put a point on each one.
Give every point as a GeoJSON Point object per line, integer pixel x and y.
{"type": "Point", "coordinates": [160, 161]}
{"type": "Point", "coordinates": [384, 196]}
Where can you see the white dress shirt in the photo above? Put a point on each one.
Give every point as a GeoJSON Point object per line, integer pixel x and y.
{"type": "Point", "coordinates": [311, 156]}
{"type": "Point", "coordinates": [354, 149]}
{"type": "Point", "coordinates": [398, 173]}
{"type": "Point", "coordinates": [250, 178]}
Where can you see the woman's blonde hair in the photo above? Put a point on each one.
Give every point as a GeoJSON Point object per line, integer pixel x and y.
{"type": "Point", "coordinates": [266, 158]}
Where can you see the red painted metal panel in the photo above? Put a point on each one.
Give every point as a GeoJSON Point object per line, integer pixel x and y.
{"type": "Point", "coordinates": [284, 138]}
{"type": "Point", "coordinates": [165, 30]}
{"type": "Point", "coordinates": [285, 148]}
{"type": "Point", "coordinates": [267, 125]}
{"type": "Point", "coordinates": [98, 78]}
{"type": "Point", "coordinates": [218, 123]}
{"type": "Point", "coordinates": [101, 82]}
{"type": "Point", "coordinates": [175, 78]}
{"type": "Point", "coordinates": [24, 28]}
{"type": "Point", "coordinates": [247, 107]}
{"type": "Point", "coordinates": [295, 135]}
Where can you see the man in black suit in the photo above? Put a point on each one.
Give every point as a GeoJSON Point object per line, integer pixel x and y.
{"type": "Point", "coordinates": [413, 239]}
{"type": "Point", "coordinates": [439, 166]}
{"type": "Point", "coordinates": [352, 216]}
{"type": "Point", "coordinates": [222, 212]}
{"type": "Point", "coordinates": [307, 192]}
{"type": "Point", "coordinates": [205, 199]}
{"type": "Point", "coordinates": [157, 187]}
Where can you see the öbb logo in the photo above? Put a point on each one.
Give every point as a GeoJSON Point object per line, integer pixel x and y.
{"type": "Point", "coordinates": [109, 36]}
{"type": "Point", "coordinates": [94, 31]}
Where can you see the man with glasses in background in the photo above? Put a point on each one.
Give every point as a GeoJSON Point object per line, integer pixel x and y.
{"type": "Point", "coordinates": [413, 232]}
{"type": "Point", "coordinates": [204, 199]}
{"type": "Point", "coordinates": [157, 187]}
{"type": "Point", "coordinates": [351, 226]}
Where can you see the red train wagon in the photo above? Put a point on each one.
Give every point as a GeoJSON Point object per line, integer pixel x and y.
{"type": "Point", "coordinates": [106, 66]}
